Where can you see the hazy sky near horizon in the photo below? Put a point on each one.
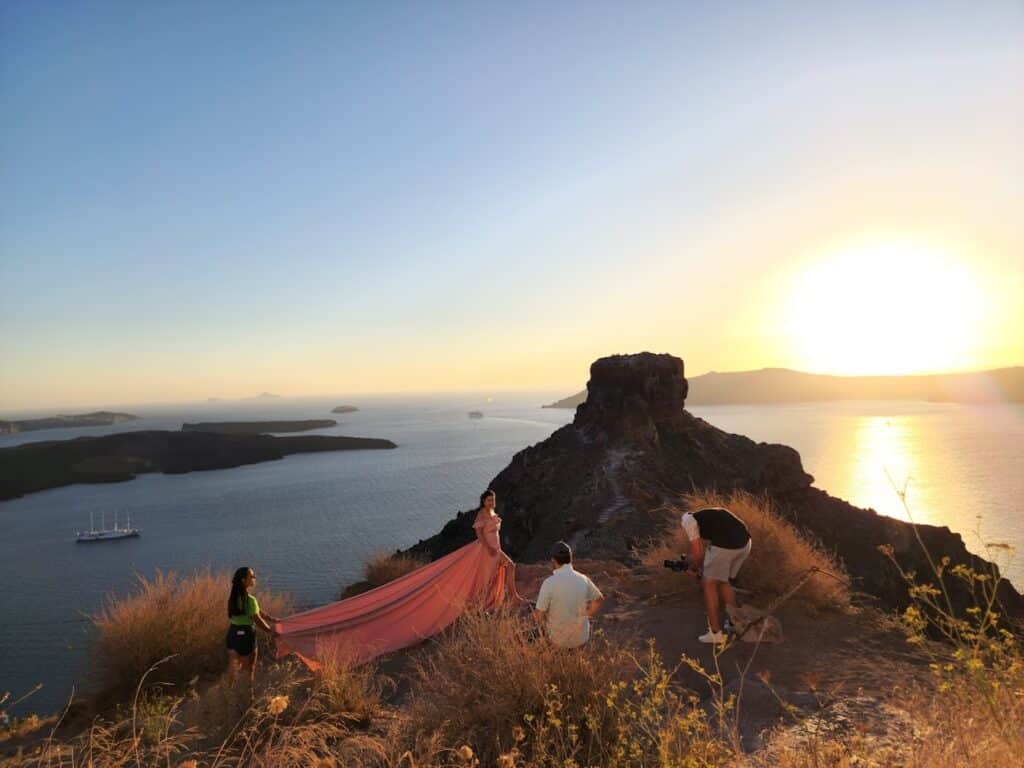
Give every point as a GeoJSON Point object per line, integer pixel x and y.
{"type": "Point", "coordinates": [217, 199]}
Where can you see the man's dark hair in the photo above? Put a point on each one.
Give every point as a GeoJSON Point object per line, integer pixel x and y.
{"type": "Point", "coordinates": [561, 553]}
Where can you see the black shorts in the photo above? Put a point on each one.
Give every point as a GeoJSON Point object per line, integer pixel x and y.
{"type": "Point", "coordinates": [241, 640]}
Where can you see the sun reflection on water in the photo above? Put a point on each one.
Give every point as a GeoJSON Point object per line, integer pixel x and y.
{"type": "Point", "coordinates": [884, 453]}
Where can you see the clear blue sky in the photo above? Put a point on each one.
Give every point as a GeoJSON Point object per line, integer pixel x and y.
{"type": "Point", "coordinates": [216, 198]}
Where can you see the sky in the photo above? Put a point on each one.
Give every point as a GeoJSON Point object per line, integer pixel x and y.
{"type": "Point", "coordinates": [214, 199]}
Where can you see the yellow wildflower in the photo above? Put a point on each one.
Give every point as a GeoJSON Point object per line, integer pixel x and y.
{"type": "Point", "coordinates": [277, 705]}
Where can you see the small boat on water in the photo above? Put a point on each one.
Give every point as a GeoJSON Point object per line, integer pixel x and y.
{"type": "Point", "coordinates": [475, 415]}
{"type": "Point", "coordinates": [105, 534]}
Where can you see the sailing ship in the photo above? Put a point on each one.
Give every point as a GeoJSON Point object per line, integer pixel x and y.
{"type": "Point", "coordinates": [105, 534]}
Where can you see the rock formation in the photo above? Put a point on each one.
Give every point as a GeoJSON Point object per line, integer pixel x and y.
{"type": "Point", "coordinates": [779, 385]}
{"type": "Point", "coordinates": [601, 484]}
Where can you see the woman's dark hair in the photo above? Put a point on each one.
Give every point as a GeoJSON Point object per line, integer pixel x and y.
{"type": "Point", "coordinates": [236, 602]}
{"type": "Point", "coordinates": [483, 496]}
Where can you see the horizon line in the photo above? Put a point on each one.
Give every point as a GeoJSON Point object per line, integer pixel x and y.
{"type": "Point", "coordinates": [550, 389]}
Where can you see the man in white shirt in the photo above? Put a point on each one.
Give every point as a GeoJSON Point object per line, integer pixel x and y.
{"type": "Point", "coordinates": [567, 601]}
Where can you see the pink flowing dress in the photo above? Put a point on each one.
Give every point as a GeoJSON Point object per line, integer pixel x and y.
{"type": "Point", "coordinates": [405, 611]}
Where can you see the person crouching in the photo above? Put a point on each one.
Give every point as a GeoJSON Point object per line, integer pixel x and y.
{"type": "Point", "coordinates": [728, 546]}
{"type": "Point", "coordinates": [568, 600]}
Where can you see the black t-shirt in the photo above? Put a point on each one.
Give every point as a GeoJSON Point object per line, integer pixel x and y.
{"type": "Point", "coordinates": [722, 528]}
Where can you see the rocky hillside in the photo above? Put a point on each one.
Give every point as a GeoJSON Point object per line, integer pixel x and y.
{"type": "Point", "coordinates": [601, 482]}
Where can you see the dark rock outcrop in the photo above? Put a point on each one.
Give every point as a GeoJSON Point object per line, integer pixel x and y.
{"type": "Point", "coordinates": [116, 458]}
{"type": "Point", "coordinates": [601, 483]}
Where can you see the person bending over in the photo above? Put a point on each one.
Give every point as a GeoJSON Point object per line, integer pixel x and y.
{"type": "Point", "coordinates": [243, 613]}
{"type": "Point", "coordinates": [567, 602]}
{"type": "Point", "coordinates": [717, 561]}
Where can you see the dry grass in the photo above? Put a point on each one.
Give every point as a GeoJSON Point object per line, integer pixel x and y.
{"type": "Point", "coordinates": [383, 567]}
{"type": "Point", "coordinates": [781, 554]}
{"type": "Point", "coordinates": [352, 693]}
{"type": "Point", "coordinates": [182, 620]}
{"type": "Point", "coordinates": [516, 701]}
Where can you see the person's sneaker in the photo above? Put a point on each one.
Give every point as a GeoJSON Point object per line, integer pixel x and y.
{"type": "Point", "coordinates": [713, 637]}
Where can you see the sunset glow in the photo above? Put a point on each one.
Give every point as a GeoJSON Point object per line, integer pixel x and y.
{"type": "Point", "coordinates": [884, 306]}
{"type": "Point", "coordinates": [401, 203]}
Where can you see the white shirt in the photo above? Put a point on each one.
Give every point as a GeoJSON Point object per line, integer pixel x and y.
{"type": "Point", "coordinates": [690, 527]}
{"type": "Point", "coordinates": [563, 598]}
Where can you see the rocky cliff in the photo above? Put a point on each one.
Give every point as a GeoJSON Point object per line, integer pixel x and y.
{"type": "Point", "coordinates": [601, 483]}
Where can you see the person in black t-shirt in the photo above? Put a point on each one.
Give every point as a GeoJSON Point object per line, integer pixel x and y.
{"type": "Point", "coordinates": [728, 546]}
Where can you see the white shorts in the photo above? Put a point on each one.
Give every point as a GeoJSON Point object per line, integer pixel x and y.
{"type": "Point", "coordinates": [723, 564]}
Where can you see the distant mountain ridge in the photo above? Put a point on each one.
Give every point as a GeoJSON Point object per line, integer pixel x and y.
{"type": "Point", "coordinates": [782, 385]}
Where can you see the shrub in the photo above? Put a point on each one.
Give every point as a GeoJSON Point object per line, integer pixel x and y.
{"type": "Point", "coordinates": [781, 554]}
{"type": "Point", "coordinates": [382, 567]}
{"type": "Point", "coordinates": [379, 569]}
{"type": "Point", "coordinates": [180, 620]}
{"type": "Point", "coordinates": [352, 693]}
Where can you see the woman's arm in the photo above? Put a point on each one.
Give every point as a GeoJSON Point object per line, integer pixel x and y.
{"type": "Point", "coordinates": [261, 620]}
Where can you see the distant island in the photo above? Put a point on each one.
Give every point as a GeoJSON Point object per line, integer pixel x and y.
{"type": "Point", "coordinates": [781, 385]}
{"type": "Point", "coordinates": [257, 427]}
{"type": "Point", "coordinates": [344, 409]}
{"type": "Point", "coordinates": [117, 458]}
{"type": "Point", "coordinates": [94, 419]}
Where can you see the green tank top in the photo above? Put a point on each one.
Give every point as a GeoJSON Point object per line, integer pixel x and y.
{"type": "Point", "coordinates": [251, 609]}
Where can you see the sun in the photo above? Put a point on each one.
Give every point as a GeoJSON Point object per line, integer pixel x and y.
{"type": "Point", "coordinates": [883, 306]}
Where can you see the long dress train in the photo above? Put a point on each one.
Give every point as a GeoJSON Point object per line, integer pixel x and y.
{"type": "Point", "coordinates": [402, 612]}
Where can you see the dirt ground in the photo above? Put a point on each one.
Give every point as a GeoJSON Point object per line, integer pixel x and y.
{"type": "Point", "coordinates": [858, 655]}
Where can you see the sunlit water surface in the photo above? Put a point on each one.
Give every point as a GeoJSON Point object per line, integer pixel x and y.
{"type": "Point", "coordinates": [308, 522]}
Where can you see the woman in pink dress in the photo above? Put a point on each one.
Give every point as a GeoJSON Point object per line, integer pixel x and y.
{"type": "Point", "coordinates": [409, 609]}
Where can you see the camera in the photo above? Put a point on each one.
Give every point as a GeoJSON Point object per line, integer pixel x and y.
{"type": "Point", "coordinates": [682, 564]}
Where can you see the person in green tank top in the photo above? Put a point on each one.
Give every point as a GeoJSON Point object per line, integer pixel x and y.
{"type": "Point", "coordinates": [243, 615]}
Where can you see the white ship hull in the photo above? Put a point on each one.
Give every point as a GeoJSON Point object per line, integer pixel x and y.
{"type": "Point", "coordinates": [107, 535]}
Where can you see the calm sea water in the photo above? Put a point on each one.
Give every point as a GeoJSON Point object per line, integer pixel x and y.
{"type": "Point", "coordinates": [306, 523]}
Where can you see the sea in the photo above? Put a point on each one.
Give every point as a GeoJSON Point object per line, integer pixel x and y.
{"type": "Point", "coordinates": [307, 523]}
